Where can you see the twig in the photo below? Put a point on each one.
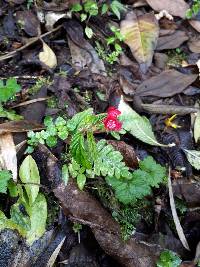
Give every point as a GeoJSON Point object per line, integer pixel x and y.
{"type": "Point", "coordinates": [179, 228]}
{"type": "Point", "coordinates": [33, 40]}
{"type": "Point", "coordinates": [28, 102]}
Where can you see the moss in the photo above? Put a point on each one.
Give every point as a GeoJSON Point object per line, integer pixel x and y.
{"type": "Point", "coordinates": [176, 57]}
{"type": "Point", "coordinates": [38, 85]}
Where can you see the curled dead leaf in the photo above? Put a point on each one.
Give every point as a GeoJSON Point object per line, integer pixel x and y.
{"type": "Point", "coordinates": [47, 56]}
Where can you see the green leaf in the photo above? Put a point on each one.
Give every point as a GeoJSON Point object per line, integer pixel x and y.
{"type": "Point", "coordinates": [9, 114]}
{"type": "Point", "coordinates": [79, 120]}
{"type": "Point", "coordinates": [193, 157]}
{"type": "Point", "coordinates": [5, 176]}
{"type": "Point", "coordinates": [79, 151]}
{"type": "Point", "coordinates": [48, 121]}
{"type": "Point", "coordinates": [81, 179]}
{"type": "Point", "coordinates": [138, 126]}
{"type": "Point", "coordinates": [139, 184]}
{"type": "Point", "coordinates": [20, 218]}
{"type": "Point", "coordinates": [83, 17]}
{"type": "Point", "coordinates": [29, 173]}
{"type": "Point", "coordinates": [65, 174]}
{"type": "Point", "coordinates": [51, 141]}
{"type": "Point", "coordinates": [38, 216]}
{"type": "Point", "coordinates": [91, 7]}
{"type": "Point", "coordinates": [91, 146]}
{"type": "Point", "coordinates": [168, 259]}
{"type": "Point", "coordinates": [104, 9]}
{"type": "Point", "coordinates": [89, 32]}
{"type": "Point", "coordinates": [9, 89]}
{"type": "Point", "coordinates": [76, 8]}
{"type": "Point", "coordinates": [116, 7]}
{"type": "Point", "coordinates": [13, 188]}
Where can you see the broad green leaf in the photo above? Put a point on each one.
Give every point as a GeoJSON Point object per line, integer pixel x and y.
{"type": "Point", "coordinates": [76, 7]}
{"type": "Point", "coordinates": [13, 189]}
{"type": "Point", "coordinates": [9, 89]}
{"type": "Point", "coordinates": [38, 216]}
{"type": "Point", "coordinates": [19, 216]}
{"type": "Point", "coordinates": [116, 8]}
{"type": "Point", "coordinates": [104, 9]}
{"type": "Point", "coordinates": [141, 35]}
{"type": "Point", "coordinates": [5, 176]}
{"type": "Point", "coordinates": [29, 173]}
{"type": "Point", "coordinates": [138, 126]}
{"type": "Point", "coordinates": [197, 127]}
{"type": "Point", "coordinates": [168, 259]}
{"type": "Point", "coordinates": [81, 179]}
{"type": "Point", "coordinates": [193, 157]}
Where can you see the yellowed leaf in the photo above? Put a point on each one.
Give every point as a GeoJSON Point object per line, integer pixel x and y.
{"type": "Point", "coordinates": [141, 35]}
{"type": "Point", "coordinates": [47, 56]}
{"type": "Point", "coordinates": [8, 158]}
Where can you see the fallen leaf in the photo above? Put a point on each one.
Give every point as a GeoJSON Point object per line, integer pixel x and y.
{"type": "Point", "coordinates": [171, 41]}
{"type": "Point", "coordinates": [195, 24]}
{"type": "Point", "coordinates": [29, 175]}
{"type": "Point", "coordinates": [179, 228]}
{"type": "Point", "coordinates": [166, 84]}
{"type": "Point", "coordinates": [29, 22]}
{"type": "Point", "coordinates": [194, 44]}
{"type": "Point", "coordinates": [138, 126]}
{"type": "Point", "coordinates": [197, 127]}
{"type": "Point", "coordinates": [54, 255]}
{"type": "Point", "coordinates": [8, 158]}
{"type": "Point", "coordinates": [141, 35]}
{"type": "Point", "coordinates": [85, 209]}
{"type": "Point", "coordinates": [47, 56]}
{"type": "Point", "coordinates": [17, 2]}
{"type": "Point", "coordinates": [19, 126]}
{"type": "Point", "coordinates": [82, 53]}
{"type": "Point", "coordinates": [175, 8]}
{"type": "Point", "coordinates": [127, 151]}
{"type": "Point", "coordinates": [193, 157]}
{"type": "Point", "coordinates": [52, 17]}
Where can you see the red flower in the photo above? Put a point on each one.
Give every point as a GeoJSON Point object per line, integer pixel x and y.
{"type": "Point", "coordinates": [112, 124]}
{"type": "Point", "coordinates": [113, 112]}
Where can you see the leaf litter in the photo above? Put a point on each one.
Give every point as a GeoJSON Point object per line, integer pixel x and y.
{"type": "Point", "coordinates": [131, 67]}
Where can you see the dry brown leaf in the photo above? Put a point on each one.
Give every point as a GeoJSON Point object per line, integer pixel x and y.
{"type": "Point", "coordinates": [8, 158]}
{"type": "Point", "coordinates": [195, 24]}
{"type": "Point", "coordinates": [166, 84]}
{"type": "Point", "coordinates": [174, 7]}
{"type": "Point", "coordinates": [141, 35]}
{"type": "Point", "coordinates": [194, 44]}
{"type": "Point", "coordinates": [197, 126]}
{"type": "Point", "coordinates": [29, 22]}
{"type": "Point", "coordinates": [19, 126]}
{"type": "Point", "coordinates": [54, 255]}
{"type": "Point", "coordinates": [171, 41]}
{"type": "Point", "coordinates": [47, 56]}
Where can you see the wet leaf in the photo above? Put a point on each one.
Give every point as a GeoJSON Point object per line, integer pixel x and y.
{"type": "Point", "coordinates": [89, 32]}
{"type": "Point", "coordinates": [47, 56]}
{"type": "Point", "coordinates": [193, 157]}
{"type": "Point", "coordinates": [166, 84]}
{"type": "Point", "coordinates": [138, 126]}
{"type": "Point", "coordinates": [176, 8]}
{"type": "Point", "coordinates": [8, 157]}
{"type": "Point", "coordinates": [29, 22]}
{"type": "Point", "coordinates": [197, 127]}
{"type": "Point", "coordinates": [29, 173]}
{"type": "Point", "coordinates": [141, 35]}
{"type": "Point", "coordinates": [38, 217]}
